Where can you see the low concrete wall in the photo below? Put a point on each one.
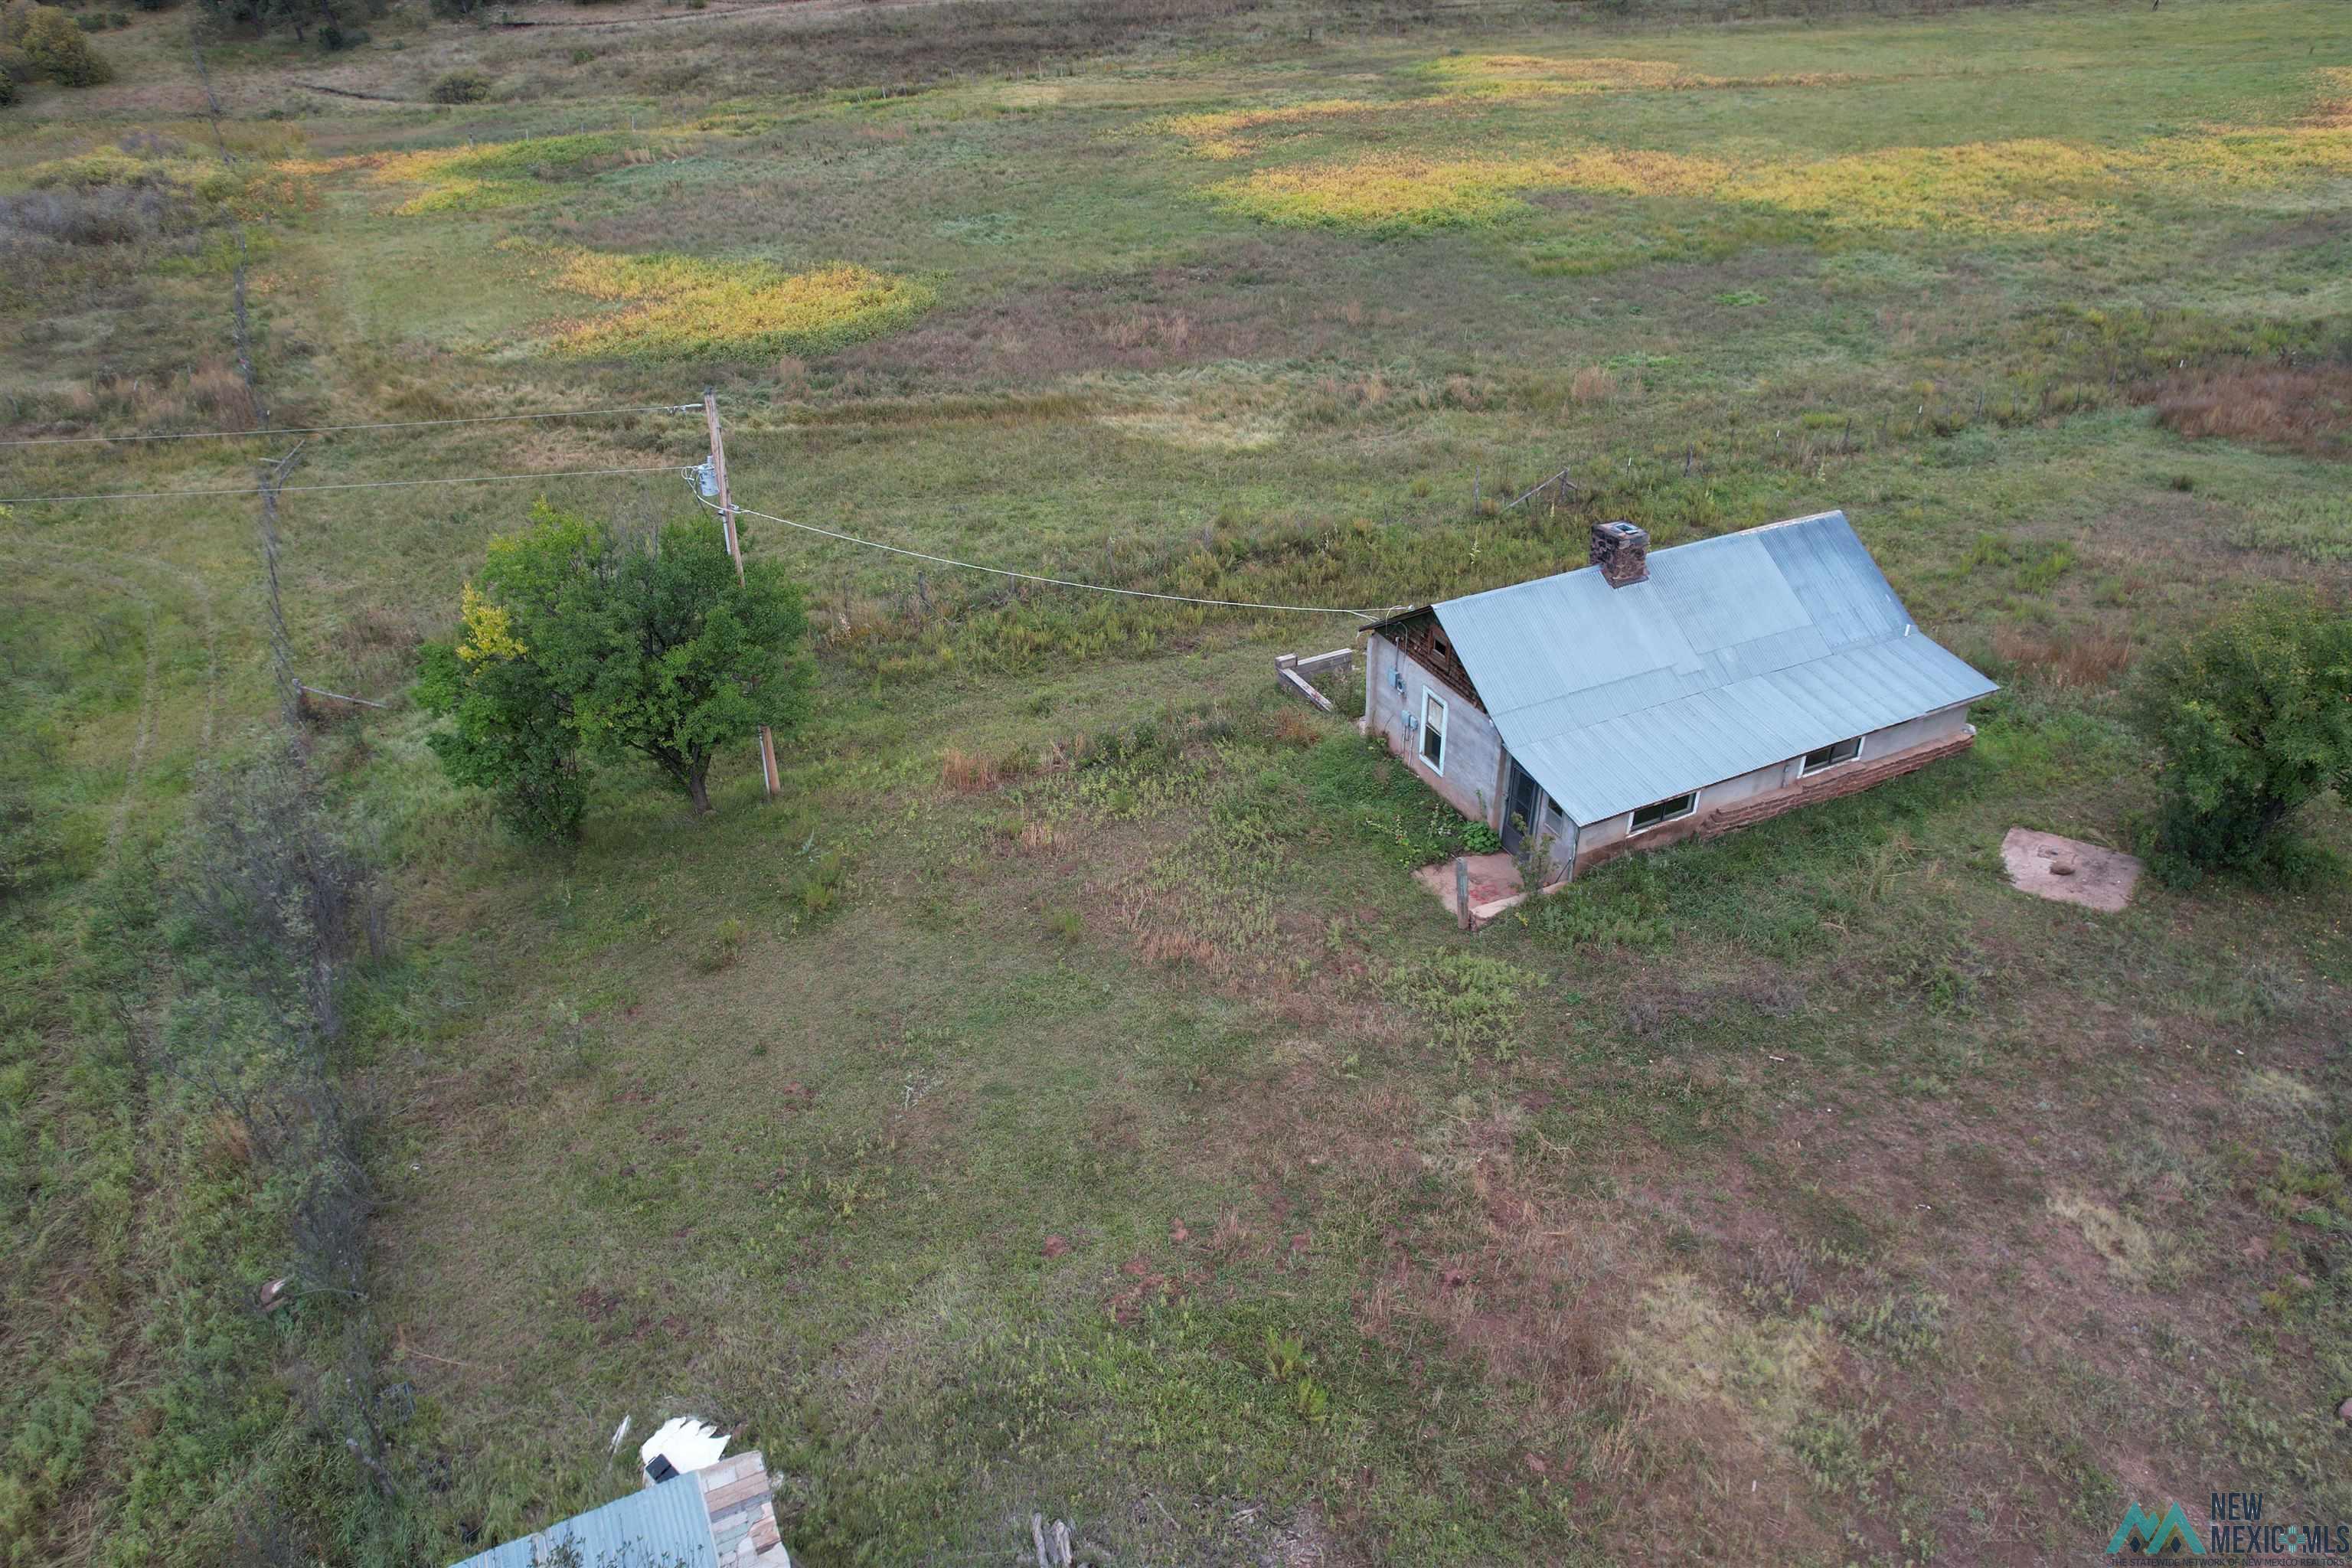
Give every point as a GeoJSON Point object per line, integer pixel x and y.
{"type": "Point", "coordinates": [1472, 782]}
{"type": "Point", "coordinates": [1724, 811]}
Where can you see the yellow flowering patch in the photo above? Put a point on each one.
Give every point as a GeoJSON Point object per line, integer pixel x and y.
{"type": "Point", "coordinates": [2256, 158]}
{"type": "Point", "coordinates": [2030, 184]}
{"type": "Point", "coordinates": [1218, 135]}
{"type": "Point", "coordinates": [1392, 191]}
{"type": "Point", "coordinates": [478, 177]}
{"type": "Point", "coordinates": [1567, 75]}
{"type": "Point", "coordinates": [206, 183]}
{"type": "Point", "coordinates": [2020, 186]}
{"type": "Point", "coordinates": [109, 167]}
{"type": "Point", "coordinates": [1476, 79]}
{"type": "Point", "coordinates": [680, 305]}
{"type": "Point", "coordinates": [1980, 185]}
{"type": "Point", "coordinates": [1510, 75]}
{"type": "Point", "coordinates": [2015, 186]}
{"type": "Point", "coordinates": [2333, 112]}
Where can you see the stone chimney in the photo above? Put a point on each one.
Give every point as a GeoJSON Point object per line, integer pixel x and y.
{"type": "Point", "coordinates": [1623, 553]}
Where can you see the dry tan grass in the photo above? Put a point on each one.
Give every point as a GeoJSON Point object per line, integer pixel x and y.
{"type": "Point", "coordinates": [1142, 328]}
{"type": "Point", "coordinates": [1294, 728]}
{"type": "Point", "coordinates": [228, 1146]}
{"type": "Point", "coordinates": [2087, 661]}
{"type": "Point", "coordinates": [1691, 1347]}
{"type": "Point", "coordinates": [1591, 385]}
{"type": "Point", "coordinates": [1179, 950]}
{"type": "Point", "coordinates": [2303, 410]}
{"type": "Point", "coordinates": [210, 392]}
{"type": "Point", "coordinates": [966, 773]}
{"type": "Point", "coordinates": [2129, 1246]}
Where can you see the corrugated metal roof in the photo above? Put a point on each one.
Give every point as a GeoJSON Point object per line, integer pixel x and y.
{"type": "Point", "coordinates": [668, 1526]}
{"type": "Point", "coordinates": [1739, 652]}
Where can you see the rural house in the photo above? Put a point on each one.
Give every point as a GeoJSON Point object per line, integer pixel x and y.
{"type": "Point", "coordinates": [1647, 698]}
{"type": "Point", "coordinates": [719, 1516]}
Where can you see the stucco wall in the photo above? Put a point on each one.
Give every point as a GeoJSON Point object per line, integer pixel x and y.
{"type": "Point", "coordinates": [1473, 749]}
{"type": "Point", "coordinates": [1751, 798]}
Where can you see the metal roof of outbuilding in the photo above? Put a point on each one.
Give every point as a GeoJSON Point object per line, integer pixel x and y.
{"type": "Point", "coordinates": [664, 1526]}
{"type": "Point", "coordinates": [1738, 652]}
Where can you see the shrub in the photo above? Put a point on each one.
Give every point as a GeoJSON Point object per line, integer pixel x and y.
{"type": "Point", "coordinates": [7, 87]}
{"type": "Point", "coordinates": [2252, 717]}
{"type": "Point", "coordinates": [461, 86]}
{"type": "Point", "coordinates": [57, 49]}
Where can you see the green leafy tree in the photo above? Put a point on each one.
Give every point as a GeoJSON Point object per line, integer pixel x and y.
{"type": "Point", "coordinates": [510, 730]}
{"type": "Point", "coordinates": [687, 658]}
{"type": "Point", "coordinates": [2254, 719]}
{"type": "Point", "coordinates": [580, 641]}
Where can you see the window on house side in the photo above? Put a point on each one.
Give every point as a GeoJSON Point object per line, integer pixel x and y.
{"type": "Point", "coordinates": [1433, 731]}
{"type": "Point", "coordinates": [1831, 756]}
{"type": "Point", "coordinates": [1659, 811]}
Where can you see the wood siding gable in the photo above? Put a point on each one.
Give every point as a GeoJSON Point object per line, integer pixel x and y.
{"type": "Point", "coordinates": [1425, 643]}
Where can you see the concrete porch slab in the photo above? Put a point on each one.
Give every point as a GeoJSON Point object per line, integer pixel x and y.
{"type": "Point", "coordinates": [1494, 886]}
{"type": "Point", "coordinates": [2067, 870]}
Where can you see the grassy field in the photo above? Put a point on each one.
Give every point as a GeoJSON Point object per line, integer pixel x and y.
{"type": "Point", "coordinates": [1062, 1099]}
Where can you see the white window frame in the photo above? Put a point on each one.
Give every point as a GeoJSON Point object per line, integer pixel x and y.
{"type": "Point", "coordinates": [1805, 769]}
{"type": "Point", "coordinates": [1690, 810]}
{"type": "Point", "coordinates": [1429, 698]}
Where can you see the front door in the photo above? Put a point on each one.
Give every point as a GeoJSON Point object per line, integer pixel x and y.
{"type": "Point", "coordinates": [1519, 808]}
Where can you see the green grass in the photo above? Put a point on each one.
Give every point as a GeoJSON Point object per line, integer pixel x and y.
{"type": "Point", "coordinates": [1128, 1139]}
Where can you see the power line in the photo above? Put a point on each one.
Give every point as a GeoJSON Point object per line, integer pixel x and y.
{"type": "Point", "coordinates": [347, 485]}
{"type": "Point", "coordinates": [1055, 582]}
{"type": "Point", "coordinates": [334, 429]}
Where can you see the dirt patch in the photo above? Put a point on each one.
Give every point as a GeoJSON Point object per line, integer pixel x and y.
{"type": "Point", "coordinates": [2069, 871]}
{"type": "Point", "coordinates": [2300, 410]}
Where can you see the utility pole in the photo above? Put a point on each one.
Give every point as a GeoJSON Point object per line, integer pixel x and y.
{"type": "Point", "coordinates": [735, 549]}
